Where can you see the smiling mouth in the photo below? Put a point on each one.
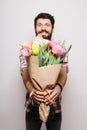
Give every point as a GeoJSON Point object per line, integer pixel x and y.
{"type": "Point", "coordinates": [44, 33]}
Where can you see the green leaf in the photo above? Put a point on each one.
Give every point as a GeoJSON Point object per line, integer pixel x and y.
{"type": "Point", "coordinates": [46, 56]}
{"type": "Point", "coordinates": [40, 59]}
{"type": "Point", "coordinates": [69, 48]}
{"type": "Point", "coordinates": [43, 55]}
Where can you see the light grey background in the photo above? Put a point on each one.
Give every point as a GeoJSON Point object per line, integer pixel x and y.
{"type": "Point", "coordinates": [16, 26]}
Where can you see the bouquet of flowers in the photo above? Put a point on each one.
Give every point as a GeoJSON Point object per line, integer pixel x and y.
{"type": "Point", "coordinates": [48, 52]}
{"type": "Point", "coordinates": [45, 59]}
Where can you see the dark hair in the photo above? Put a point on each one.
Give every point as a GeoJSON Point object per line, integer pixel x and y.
{"type": "Point", "coordinates": [44, 16]}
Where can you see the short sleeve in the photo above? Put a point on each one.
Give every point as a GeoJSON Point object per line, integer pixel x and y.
{"type": "Point", "coordinates": [65, 63]}
{"type": "Point", "coordinates": [23, 61]}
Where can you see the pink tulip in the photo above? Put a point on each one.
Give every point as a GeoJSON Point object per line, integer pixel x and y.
{"type": "Point", "coordinates": [57, 48]}
{"type": "Point", "coordinates": [54, 43]}
{"type": "Point", "coordinates": [26, 50]}
{"type": "Point", "coordinates": [61, 52]}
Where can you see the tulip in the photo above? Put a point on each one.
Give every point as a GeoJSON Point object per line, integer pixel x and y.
{"type": "Point", "coordinates": [26, 49]}
{"type": "Point", "coordinates": [35, 49]}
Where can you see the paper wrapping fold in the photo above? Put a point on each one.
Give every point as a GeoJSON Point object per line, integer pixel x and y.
{"type": "Point", "coordinates": [44, 76]}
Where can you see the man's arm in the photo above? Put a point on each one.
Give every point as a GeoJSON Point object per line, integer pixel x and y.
{"type": "Point", "coordinates": [38, 96]}
{"type": "Point", "coordinates": [25, 73]}
{"type": "Point", "coordinates": [27, 80]}
{"type": "Point", "coordinates": [56, 91]}
{"type": "Point", "coordinates": [62, 76]}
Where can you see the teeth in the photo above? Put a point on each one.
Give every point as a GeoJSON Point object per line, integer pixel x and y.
{"type": "Point", "coordinates": [43, 33]}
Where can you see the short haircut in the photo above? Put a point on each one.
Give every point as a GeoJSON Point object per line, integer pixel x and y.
{"type": "Point", "coordinates": [44, 16]}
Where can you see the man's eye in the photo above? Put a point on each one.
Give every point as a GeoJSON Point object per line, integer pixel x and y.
{"type": "Point", "coordinates": [47, 25]}
{"type": "Point", "coordinates": [39, 25]}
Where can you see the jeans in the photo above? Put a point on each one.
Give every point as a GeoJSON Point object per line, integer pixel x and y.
{"type": "Point", "coordinates": [34, 123]}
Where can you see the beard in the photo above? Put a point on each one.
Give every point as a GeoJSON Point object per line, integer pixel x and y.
{"type": "Point", "coordinates": [44, 36]}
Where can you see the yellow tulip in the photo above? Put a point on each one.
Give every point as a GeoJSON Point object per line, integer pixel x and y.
{"type": "Point", "coordinates": [35, 49]}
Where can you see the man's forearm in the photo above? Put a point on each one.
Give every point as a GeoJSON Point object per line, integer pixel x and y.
{"type": "Point", "coordinates": [27, 80]}
{"type": "Point", "coordinates": [62, 76]}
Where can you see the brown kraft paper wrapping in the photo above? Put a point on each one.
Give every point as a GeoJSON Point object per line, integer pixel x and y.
{"type": "Point", "coordinates": [42, 78]}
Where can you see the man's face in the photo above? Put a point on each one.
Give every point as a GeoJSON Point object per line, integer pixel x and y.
{"type": "Point", "coordinates": [44, 28]}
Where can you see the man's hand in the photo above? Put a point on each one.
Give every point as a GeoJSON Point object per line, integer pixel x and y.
{"type": "Point", "coordinates": [55, 92]}
{"type": "Point", "coordinates": [48, 96]}
{"type": "Point", "coordinates": [38, 96]}
{"type": "Point", "coordinates": [52, 95]}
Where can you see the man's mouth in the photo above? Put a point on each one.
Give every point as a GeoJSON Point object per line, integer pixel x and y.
{"type": "Point", "coordinates": [43, 31]}
{"type": "Point", "coordinates": [44, 34]}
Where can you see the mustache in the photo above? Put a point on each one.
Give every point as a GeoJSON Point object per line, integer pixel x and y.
{"type": "Point", "coordinates": [43, 31]}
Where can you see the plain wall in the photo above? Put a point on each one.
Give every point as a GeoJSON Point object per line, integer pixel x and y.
{"type": "Point", "coordinates": [16, 27]}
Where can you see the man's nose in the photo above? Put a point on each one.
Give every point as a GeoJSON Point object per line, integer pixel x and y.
{"type": "Point", "coordinates": [43, 27]}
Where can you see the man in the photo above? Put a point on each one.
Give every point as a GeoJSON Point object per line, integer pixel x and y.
{"type": "Point", "coordinates": [44, 27]}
